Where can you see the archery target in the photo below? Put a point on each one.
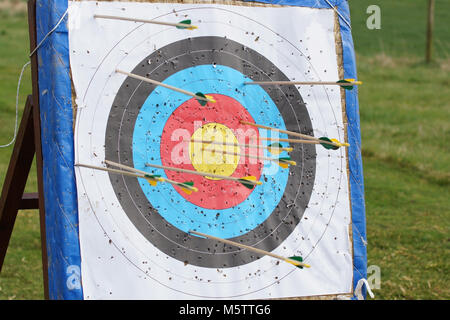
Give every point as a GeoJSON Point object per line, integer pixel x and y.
{"type": "Point", "coordinates": [140, 231]}
{"type": "Point", "coordinates": [143, 131]}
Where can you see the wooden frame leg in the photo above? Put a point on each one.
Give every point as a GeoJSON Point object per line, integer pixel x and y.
{"type": "Point", "coordinates": [37, 139]}
{"type": "Point", "coordinates": [16, 177]}
{"type": "Point", "coordinates": [27, 145]}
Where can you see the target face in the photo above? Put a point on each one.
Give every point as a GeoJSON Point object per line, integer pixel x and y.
{"type": "Point", "coordinates": [145, 130]}
{"type": "Point", "coordinates": [140, 231]}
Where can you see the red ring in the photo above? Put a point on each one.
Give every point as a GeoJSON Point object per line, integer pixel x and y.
{"type": "Point", "coordinates": [182, 123]}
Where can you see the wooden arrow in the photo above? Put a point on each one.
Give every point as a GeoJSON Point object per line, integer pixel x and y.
{"type": "Point", "coordinates": [187, 187]}
{"type": "Point", "coordinates": [152, 179]}
{"type": "Point", "coordinates": [283, 162]}
{"type": "Point", "coordinates": [296, 261]}
{"type": "Point", "coordinates": [185, 24]}
{"type": "Point", "coordinates": [322, 140]}
{"type": "Point", "coordinates": [200, 97]}
{"type": "Point", "coordinates": [272, 148]}
{"type": "Point", "coordinates": [248, 181]}
{"type": "Point", "coordinates": [345, 83]}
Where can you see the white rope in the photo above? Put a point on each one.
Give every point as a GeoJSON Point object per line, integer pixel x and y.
{"type": "Point", "coordinates": [50, 32]}
{"type": "Point", "coordinates": [17, 107]}
{"type": "Point", "coordinates": [21, 74]}
{"type": "Point", "coordinates": [358, 289]}
{"type": "Point", "coordinates": [340, 15]}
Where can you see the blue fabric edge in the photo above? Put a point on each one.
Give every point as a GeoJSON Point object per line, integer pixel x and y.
{"type": "Point", "coordinates": [64, 261]}
{"type": "Point", "coordinates": [60, 194]}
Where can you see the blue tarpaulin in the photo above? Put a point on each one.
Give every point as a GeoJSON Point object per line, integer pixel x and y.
{"type": "Point", "coordinates": [58, 146]}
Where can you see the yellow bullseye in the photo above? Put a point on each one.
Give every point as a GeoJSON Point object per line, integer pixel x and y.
{"type": "Point", "coordinates": [210, 158]}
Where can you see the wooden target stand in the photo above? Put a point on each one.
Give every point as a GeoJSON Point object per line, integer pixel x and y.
{"type": "Point", "coordinates": [27, 145]}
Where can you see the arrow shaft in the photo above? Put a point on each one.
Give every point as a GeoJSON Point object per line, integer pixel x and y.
{"type": "Point", "coordinates": [126, 173]}
{"type": "Point", "coordinates": [291, 133]}
{"type": "Point", "coordinates": [101, 16]}
{"type": "Point", "coordinates": [146, 173]}
{"type": "Point", "coordinates": [205, 174]}
{"type": "Point", "coordinates": [243, 246]}
{"type": "Point", "coordinates": [236, 144]}
{"type": "Point", "coordinates": [138, 77]}
{"type": "Point", "coordinates": [243, 155]}
{"type": "Point", "coordinates": [290, 140]}
{"type": "Point", "coordinates": [268, 83]}
{"type": "Point", "coordinates": [119, 165]}
{"type": "Point", "coordinates": [318, 141]}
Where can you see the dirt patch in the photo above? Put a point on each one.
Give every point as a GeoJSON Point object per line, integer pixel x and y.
{"type": "Point", "coordinates": [12, 6]}
{"type": "Point", "coordinates": [445, 65]}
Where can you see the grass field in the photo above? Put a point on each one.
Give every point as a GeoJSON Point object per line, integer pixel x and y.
{"type": "Point", "coordinates": [405, 117]}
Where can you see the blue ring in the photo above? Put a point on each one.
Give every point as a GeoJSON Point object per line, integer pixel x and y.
{"type": "Point", "coordinates": [153, 115]}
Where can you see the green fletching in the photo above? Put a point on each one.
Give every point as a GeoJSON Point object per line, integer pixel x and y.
{"type": "Point", "coordinates": [327, 145]}
{"type": "Point", "coordinates": [275, 148]}
{"type": "Point", "coordinates": [345, 87]}
{"type": "Point", "coordinates": [188, 22]}
{"type": "Point", "coordinates": [202, 102]}
{"type": "Point", "coordinates": [188, 183]}
{"type": "Point", "coordinates": [297, 258]}
{"type": "Point", "coordinates": [152, 176]}
{"type": "Point", "coordinates": [284, 159]}
{"type": "Point", "coordinates": [246, 184]}
{"type": "Point", "coordinates": [276, 145]}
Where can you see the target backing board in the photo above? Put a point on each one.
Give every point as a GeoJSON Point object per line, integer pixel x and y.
{"type": "Point", "coordinates": [134, 239]}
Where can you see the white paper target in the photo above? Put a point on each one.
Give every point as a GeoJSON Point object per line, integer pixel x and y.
{"type": "Point", "coordinates": [132, 255]}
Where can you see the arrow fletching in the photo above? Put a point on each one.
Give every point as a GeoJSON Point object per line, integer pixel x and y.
{"type": "Point", "coordinates": [277, 148]}
{"type": "Point", "coordinates": [327, 145]}
{"type": "Point", "coordinates": [300, 263]}
{"type": "Point", "coordinates": [152, 179]}
{"type": "Point", "coordinates": [207, 97]}
{"type": "Point", "coordinates": [187, 187]}
{"type": "Point", "coordinates": [244, 182]}
{"type": "Point", "coordinates": [352, 81]}
{"type": "Point", "coordinates": [345, 87]}
{"type": "Point", "coordinates": [340, 144]}
{"type": "Point", "coordinates": [284, 162]}
{"type": "Point", "coordinates": [188, 25]}
{"type": "Point", "coordinates": [210, 98]}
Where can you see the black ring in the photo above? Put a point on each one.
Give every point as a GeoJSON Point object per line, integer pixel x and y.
{"type": "Point", "coordinates": [118, 148]}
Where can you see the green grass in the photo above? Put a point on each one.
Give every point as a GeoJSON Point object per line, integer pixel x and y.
{"type": "Point", "coordinates": [403, 27]}
{"type": "Point", "coordinates": [405, 113]}
{"type": "Point", "coordinates": [407, 231]}
{"type": "Point", "coordinates": [21, 277]}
